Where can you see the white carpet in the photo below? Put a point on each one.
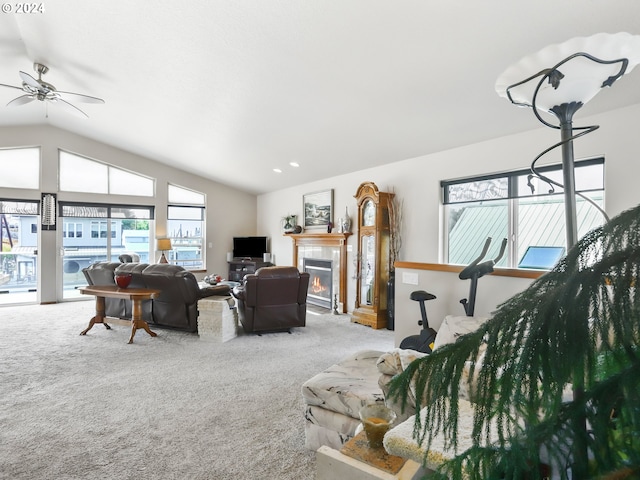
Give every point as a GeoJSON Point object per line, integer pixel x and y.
{"type": "Point", "coordinates": [170, 407]}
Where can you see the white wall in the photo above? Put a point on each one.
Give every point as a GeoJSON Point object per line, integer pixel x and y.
{"type": "Point", "coordinates": [229, 212]}
{"type": "Point", "coordinates": [416, 181]}
{"type": "Point", "coordinates": [449, 290]}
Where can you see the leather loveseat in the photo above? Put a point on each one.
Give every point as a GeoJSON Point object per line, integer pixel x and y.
{"type": "Point", "coordinates": [175, 307]}
{"type": "Point", "coordinates": [272, 299]}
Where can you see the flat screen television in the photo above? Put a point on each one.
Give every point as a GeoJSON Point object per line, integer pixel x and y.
{"type": "Point", "coordinates": [253, 247]}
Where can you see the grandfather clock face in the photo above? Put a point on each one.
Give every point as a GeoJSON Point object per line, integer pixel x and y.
{"type": "Point", "coordinates": [368, 214]}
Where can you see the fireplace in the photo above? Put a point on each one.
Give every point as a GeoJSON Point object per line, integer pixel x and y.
{"type": "Point", "coordinates": [330, 247]}
{"type": "Point", "coordinates": [320, 281]}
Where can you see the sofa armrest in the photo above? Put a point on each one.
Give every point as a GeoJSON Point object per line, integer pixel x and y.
{"type": "Point", "coordinates": [391, 364]}
{"type": "Point", "coordinates": [214, 290]}
{"type": "Point", "coordinates": [395, 361]}
{"type": "Point", "coordinates": [101, 273]}
{"type": "Point", "coordinates": [238, 292]}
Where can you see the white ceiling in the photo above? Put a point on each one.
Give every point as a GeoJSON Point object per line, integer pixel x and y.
{"type": "Point", "coordinates": [230, 89]}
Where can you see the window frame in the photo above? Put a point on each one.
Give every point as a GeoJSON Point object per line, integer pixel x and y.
{"type": "Point", "coordinates": [22, 173]}
{"type": "Point", "coordinates": [174, 205]}
{"type": "Point", "coordinates": [103, 219]}
{"type": "Point", "coordinates": [512, 175]}
{"type": "Point", "coordinates": [174, 240]}
{"type": "Point", "coordinates": [512, 197]}
{"type": "Point", "coordinates": [109, 172]}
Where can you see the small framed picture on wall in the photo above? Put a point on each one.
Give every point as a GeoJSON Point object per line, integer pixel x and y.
{"type": "Point", "coordinates": [318, 209]}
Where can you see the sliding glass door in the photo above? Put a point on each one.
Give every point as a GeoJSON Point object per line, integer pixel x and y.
{"type": "Point", "coordinates": [97, 233]}
{"type": "Point", "coordinates": [19, 222]}
{"type": "Point", "coordinates": [85, 240]}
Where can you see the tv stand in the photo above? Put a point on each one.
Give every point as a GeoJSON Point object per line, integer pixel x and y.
{"type": "Point", "coordinates": [241, 266]}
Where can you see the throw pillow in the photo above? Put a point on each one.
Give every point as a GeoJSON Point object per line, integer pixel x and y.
{"type": "Point", "coordinates": [453, 327]}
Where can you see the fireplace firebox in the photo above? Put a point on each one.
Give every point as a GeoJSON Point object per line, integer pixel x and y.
{"type": "Point", "coordinates": [320, 273]}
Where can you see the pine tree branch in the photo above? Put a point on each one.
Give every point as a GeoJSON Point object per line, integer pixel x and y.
{"type": "Point", "coordinates": [540, 344]}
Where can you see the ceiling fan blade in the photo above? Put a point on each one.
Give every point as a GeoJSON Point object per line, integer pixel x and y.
{"type": "Point", "coordinates": [73, 108]}
{"type": "Point", "coordinates": [82, 98]}
{"type": "Point", "coordinates": [21, 100]}
{"type": "Point", "coordinates": [10, 86]}
{"type": "Point", "coordinates": [29, 80]}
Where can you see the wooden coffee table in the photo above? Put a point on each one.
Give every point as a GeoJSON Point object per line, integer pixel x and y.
{"type": "Point", "coordinates": [136, 295]}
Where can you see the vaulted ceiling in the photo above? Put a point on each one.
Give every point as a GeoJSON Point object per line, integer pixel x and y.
{"type": "Point", "coordinates": [231, 89]}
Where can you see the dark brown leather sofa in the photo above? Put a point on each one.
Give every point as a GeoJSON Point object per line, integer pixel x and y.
{"type": "Point", "coordinates": [175, 307]}
{"type": "Point", "coordinates": [272, 299]}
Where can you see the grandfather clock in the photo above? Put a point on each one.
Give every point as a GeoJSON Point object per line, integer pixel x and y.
{"type": "Point", "coordinates": [373, 256]}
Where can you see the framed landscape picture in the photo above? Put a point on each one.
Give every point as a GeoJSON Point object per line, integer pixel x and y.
{"type": "Point", "coordinates": [318, 209]}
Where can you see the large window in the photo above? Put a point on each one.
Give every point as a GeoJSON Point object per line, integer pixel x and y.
{"type": "Point", "coordinates": [81, 174]}
{"type": "Point", "coordinates": [20, 168]}
{"type": "Point", "coordinates": [18, 246]}
{"type": "Point", "coordinates": [185, 225]}
{"type": "Point", "coordinates": [109, 233]}
{"type": "Point", "coordinates": [527, 211]}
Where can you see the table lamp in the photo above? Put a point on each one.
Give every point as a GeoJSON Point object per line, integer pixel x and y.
{"type": "Point", "coordinates": [163, 245]}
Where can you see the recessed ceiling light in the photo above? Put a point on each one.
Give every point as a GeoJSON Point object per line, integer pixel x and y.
{"type": "Point", "coordinates": [294, 164]}
{"type": "Point", "coordinates": [277, 170]}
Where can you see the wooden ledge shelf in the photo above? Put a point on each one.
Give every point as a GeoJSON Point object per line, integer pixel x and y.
{"type": "Point", "coordinates": [317, 238]}
{"type": "Point", "coordinates": [443, 267]}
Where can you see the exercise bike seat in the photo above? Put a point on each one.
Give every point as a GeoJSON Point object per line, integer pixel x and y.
{"type": "Point", "coordinates": [424, 341]}
{"type": "Point", "coordinates": [421, 296]}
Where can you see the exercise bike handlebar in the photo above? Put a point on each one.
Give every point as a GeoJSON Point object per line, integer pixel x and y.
{"type": "Point", "coordinates": [487, 267]}
{"type": "Point", "coordinates": [479, 269]}
{"type": "Point", "coordinates": [468, 271]}
{"type": "Point", "coordinates": [503, 247]}
{"type": "Point", "coordinates": [476, 270]}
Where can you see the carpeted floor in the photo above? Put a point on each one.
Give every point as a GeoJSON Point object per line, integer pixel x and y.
{"type": "Point", "coordinates": [170, 407]}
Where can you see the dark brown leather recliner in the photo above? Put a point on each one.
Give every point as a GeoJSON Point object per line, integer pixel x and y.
{"type": "Point", "coordinates": [272, 299]}
{"type": "Point", "coordinates": [175, 307]}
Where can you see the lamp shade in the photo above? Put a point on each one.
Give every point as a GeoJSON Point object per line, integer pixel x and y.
{"type": "Point", "coordinates": [577, 69]}
{"type": "Point", "coordinates": [164, 244]}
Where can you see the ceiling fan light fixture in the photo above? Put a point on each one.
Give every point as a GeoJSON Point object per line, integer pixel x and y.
{"type": "Point", "coordinates": [38, 89]}
{"type": "Point", "coordinates": [40, 68]}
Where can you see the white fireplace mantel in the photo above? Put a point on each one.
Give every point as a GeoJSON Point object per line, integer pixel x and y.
{"type": "Point", "coordinates": [335, 241]}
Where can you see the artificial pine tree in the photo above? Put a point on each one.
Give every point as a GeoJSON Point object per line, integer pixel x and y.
{"type": "Point", "coordinates": [575, 328]}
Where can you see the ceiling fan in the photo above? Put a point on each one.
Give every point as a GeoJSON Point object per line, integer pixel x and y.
{"type": "Point", "coordinates": [45, 92]}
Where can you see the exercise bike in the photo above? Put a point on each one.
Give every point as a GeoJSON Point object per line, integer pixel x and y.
{"type": "Point", "coordinates": [424, 341]}
{"type": "Point", "coordinates": [475, 270]}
